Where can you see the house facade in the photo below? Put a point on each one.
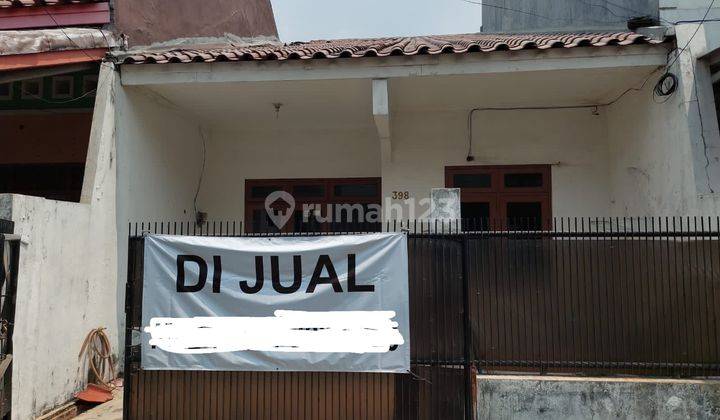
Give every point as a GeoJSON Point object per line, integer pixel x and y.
{"type": "Point", "coordinates": [530, 127]}
{"type": "Point", "coordinates": [534, 126]}
{"type": "Point", "coordinates": [420, 113]}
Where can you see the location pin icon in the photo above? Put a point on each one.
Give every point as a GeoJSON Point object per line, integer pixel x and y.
{"type": "Point", "coordinates": [280, 206]}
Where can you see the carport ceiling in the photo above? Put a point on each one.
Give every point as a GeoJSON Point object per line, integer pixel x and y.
{"type": "Point", "coordinates": [349, 102]}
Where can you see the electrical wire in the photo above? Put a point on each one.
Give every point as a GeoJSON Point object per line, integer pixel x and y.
{"type": "Point", "coordinates": [702, 129]}
{"type": "Point", "coordinates": [687, 44]}
{"type": "Point", "coordinates": [595, 107]}
{"type": "Point", "coordinates": [619, 6]}
{"type": "Point", "coordinates": [588, 3]}
{"type": "Point", "coordinates": [609, 10]}
{"type": "Point", "coordinates": [662, 88]}
{"type": "Point", "coordinates": [94, 59]}
{"type": "Point", "coordinates": [40, 98]}
{"type": "Point", "coordinates": [694, 21]}
{"type": "Point", "coordinates": [202, 170]}
{"type": "Point", "coordinates": [509, 9]}
{"type": "Point", "coordinates": [525, 12]}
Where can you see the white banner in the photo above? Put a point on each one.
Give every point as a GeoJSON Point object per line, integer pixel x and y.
{"type": "Point", "coordinates": [306, 303]}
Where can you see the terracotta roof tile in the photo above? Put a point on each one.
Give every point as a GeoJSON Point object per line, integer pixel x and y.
{"type": "Point", "coordinates": [383, 47]}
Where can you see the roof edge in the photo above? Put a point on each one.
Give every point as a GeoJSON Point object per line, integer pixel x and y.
{"type": "Point", "coordinates": [381, 47]}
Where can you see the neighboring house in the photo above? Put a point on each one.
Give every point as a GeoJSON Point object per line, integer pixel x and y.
{"type": "Point", "coordinates": [567, 15]}
{"type": "Point", "coordinates": [58, 185]}
{"type": "Point", "coordinates": [50, 56]}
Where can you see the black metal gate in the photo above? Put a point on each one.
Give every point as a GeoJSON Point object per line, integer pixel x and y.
{"type": "Point", "coordinates": [440, 385]}
{"type": "Point", "coordinates": [589, 296]}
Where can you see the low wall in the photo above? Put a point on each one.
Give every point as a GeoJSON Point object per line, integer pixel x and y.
{"type": "Point", "coordinates": [533, 397]}
{"type": "Point", "coordinates": [67, 285]}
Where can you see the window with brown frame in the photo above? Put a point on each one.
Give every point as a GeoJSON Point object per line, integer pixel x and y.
{"type": "Point", "coordinates": [511, 197]}
{"type": "Point", "coordinates": [339, 205]}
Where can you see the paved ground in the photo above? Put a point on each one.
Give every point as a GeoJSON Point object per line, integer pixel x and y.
{"type": "Point", "coordinates": [111, 410]}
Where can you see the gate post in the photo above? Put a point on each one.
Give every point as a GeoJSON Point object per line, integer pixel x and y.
{"type": "Point", "coordinates": [132, 300]}
{"type": "Point", "coordinates": [467, 353]}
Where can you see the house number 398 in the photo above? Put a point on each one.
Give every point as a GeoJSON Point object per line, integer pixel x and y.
{"type": "Point", "coordinates": [400, 195]}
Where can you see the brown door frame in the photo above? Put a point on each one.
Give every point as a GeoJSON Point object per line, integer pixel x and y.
{"type": "Point", "coordinates": [498, 195]}
{"type": "Point", "coordinates": [287, 185]}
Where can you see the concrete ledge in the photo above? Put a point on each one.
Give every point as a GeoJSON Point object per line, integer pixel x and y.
{"type": "Point", "coordinates": [532, 397]}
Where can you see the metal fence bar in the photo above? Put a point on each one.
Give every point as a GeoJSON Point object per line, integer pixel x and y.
{"type": "Point", "coordinates": [9, 264]}
{"type": "Point", "coordinates": [7, 226]}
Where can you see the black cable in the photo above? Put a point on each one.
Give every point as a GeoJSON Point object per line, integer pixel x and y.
{"type": "Point", "coordinates": [694, 21]}
{"type": "Point", "coordinates": [602, 6]}
{"type": "Point", "coordinates": [619, 6]}
{"type": "Point", "coordinates": [677, 56]}
{"type": "Point", "coordinates": [509, 9]}
{"type": "Point", "coordinates": [524, 12]}
{"type": "Point", "coordinates": [107, 43]}
{"type": "Point", "coordinates": [64, 101]}
{"type": "Point", "coordinates": [202, 171]}
{"type": "Point", "coordinates": [662, 88]}
{"type": "Point", "coordinates": [470, 156]}
{"type": "Point", "coordinates": [702, 129]}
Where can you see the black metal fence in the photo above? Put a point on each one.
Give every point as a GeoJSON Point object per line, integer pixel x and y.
{"type": "Point", "coordinates": [600, 296]}
{"type": "Point", "coordinates": [9, 262]}
{"type": "Point", "coordinates": [6, 226]}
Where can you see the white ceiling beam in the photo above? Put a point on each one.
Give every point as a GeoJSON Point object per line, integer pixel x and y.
{"type": "Point", "coordinates": [381, 115]}
{"type": "Point", "coordinates": [389, 67]}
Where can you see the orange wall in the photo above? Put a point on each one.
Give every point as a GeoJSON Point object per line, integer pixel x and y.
{"type": "Point", "coordinates": [44, 138]}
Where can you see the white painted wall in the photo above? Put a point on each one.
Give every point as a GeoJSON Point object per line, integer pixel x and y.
{"type": "Point", "coordinates": [651, 172]}
{"type": "Point", "coordinates": [159, 159]}
{"type": "Point", "coordinates": [423, 144]}
{"type": "Point", "coordinates": [677, 148]}
{"type": "Point", "coordinates": [160, 154]}
{"type": "Point", "coordinates": [67, 277]}
{"type": "Point", "coordinates": [699, 41]}
{"type": "Point", "coordinates": [234, 156]}
{"type": "Point", "coordinates": [634, 158]}
{"type": "Point", "coordinates": [573, 141]}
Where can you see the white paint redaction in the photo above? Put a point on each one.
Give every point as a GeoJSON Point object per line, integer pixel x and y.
{"type": "Point", "coordinates": [287, 331]}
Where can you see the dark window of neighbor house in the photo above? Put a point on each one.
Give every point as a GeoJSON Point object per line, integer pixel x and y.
{"type": "Point", "coordinates": [31, 89]}
{"type": "Point", "coordinates": [513, 197]}
{"type": "Point", "coordinates": [6, 91]}
{"type": "Point", "coordinates": [338, 205]}
{"type": "Point", "coordinates": [63, 91]}
{"type": "Point", "coordinates": [62, 87]}
{"type": "Point", "coordinates": [89, 84]}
